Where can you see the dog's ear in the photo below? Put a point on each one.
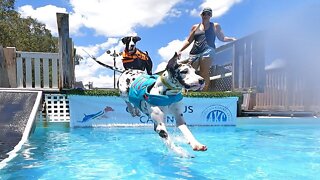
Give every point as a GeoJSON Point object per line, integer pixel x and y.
{"type": "Point", "coordinates": [125, 39]}
{"type": "Point", "coordinates": [172, 64]}
{"type": "Point", "coordinates": [136, 39]}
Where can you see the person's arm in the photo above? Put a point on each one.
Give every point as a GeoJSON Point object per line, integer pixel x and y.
{"type": "Point", "coordinates": [189, 39]}
{"type": "Point", "coordinates": [221, 35]}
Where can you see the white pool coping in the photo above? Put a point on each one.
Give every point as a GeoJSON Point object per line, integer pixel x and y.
{"type": "Point", "coordinates": [276, 120]}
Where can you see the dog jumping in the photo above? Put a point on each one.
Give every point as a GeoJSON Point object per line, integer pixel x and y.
{"type": "Point", "coordinates": [133, 58]}
{"type": "Point", "coordinates": [158, 95]}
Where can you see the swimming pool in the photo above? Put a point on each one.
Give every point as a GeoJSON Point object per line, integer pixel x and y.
{"type": "Point", "coordinates": [242, 152]}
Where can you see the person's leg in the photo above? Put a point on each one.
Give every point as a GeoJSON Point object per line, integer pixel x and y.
{"type": "Point", "coordinates": [194, 61]}
{"type": "Point", "coordinates": [205, 64]}
{"type": "Point", "coordinates": [195, 65]}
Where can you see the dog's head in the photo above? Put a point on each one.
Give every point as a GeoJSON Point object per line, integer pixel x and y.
{"type": "Point", "coordinates": [130, 43]}
{"type": "Point", "coordinates": [184, 75]}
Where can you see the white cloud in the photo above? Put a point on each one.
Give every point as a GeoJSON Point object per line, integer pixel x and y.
{"type": "Point", "coordinates": [90, 71]}
{"type": "Point", "coordinates": [118, 18]}
{"type": "Point", "coordinates": [166, 53]}
{"type": "Point", "coordinates": [106, 17]}
{"type": "Point", "coordinates": [175, 13]}
{"type": "Point", "coordinates": [45, 14]}
{"type": "Point", "coordinates": [219, 7]}
{"type": "Point", "coordinates": [161, 67]}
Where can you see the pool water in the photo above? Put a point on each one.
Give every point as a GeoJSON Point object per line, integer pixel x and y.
{"type": "Point", "coordinates": [242, 152]}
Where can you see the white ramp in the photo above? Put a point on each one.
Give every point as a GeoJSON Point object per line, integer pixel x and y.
{"type": "Point", "coordinates": [18, 110]}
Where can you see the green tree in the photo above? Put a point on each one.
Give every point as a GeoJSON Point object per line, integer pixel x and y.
{"type": "Point", "coordinates": [6, 5]}
{"type": "Point", "coordinates": [26, 34]}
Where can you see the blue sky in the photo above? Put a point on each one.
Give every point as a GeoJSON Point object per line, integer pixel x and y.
{"type": "Point", "coordinates": [163, 25]}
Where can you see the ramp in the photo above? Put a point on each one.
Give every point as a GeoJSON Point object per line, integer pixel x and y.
{"type": "Point", "coordinates": [18, 111]}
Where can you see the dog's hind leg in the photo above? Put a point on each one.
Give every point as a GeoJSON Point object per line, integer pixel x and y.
{"type": "Point", "coordinates": [137, 111]}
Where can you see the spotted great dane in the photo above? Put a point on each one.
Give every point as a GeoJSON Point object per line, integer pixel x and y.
{"type": "Point", "coordinates": [158, 95]}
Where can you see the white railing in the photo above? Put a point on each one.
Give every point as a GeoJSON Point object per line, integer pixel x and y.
{"type": "Point", "coordinates": [37, 70]}
{"type": "Point", "coordinates": [283, 92]}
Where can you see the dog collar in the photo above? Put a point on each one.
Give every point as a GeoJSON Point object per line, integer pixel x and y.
{"type": "Point", "coordinates": [164, 82]}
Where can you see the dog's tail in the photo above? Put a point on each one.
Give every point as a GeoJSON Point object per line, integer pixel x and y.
{"type": "Point", "coordinates": [102, 64]}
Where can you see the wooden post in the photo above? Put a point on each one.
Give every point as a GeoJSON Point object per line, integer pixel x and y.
{"type": "Point", "coordinates": [11, 60]}
{"type": "Point", "coordinates": [64, 51]}
{"type": "Point", "coordinates": [72, 64]}
{"type": "Point", "coordinates": [4, 80]}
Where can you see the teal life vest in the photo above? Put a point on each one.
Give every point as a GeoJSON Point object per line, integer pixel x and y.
{"type": "Point", "coordinates": [139, 91]}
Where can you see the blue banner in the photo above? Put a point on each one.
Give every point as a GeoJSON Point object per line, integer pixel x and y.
{"type": "Point", "coordinates": [94, 111]}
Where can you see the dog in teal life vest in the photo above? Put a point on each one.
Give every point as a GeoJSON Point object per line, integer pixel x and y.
{"type": "Point", "coordinates": [159, 95]}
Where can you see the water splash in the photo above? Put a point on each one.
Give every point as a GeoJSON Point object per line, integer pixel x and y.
{"type": "Point", "coordinates": [176, 149]}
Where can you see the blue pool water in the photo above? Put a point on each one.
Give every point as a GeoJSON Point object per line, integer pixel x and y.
{"type": "Point", "coordinates": [242, 152]}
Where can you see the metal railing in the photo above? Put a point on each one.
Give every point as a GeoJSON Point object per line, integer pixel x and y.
{"type": "Point", "coordinates": [239, 65]}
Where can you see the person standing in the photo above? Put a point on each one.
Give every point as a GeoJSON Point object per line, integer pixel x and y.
{"type": "Point", "coordinates": [202, 53]}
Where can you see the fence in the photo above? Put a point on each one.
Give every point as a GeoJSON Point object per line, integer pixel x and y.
{"type": "Point", "coordinates": [34, 70]}
{"type": "Point", "coordinates": [240, 66]}
{"type": "Point", "coordinates": [283, 92]}
{"type": "Point", "coordinates": [37, 70]}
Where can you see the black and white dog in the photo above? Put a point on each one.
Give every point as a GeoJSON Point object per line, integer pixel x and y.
{"type": "Point", "coordinates": [134, 58]}
{"type": "Point", "coordinates": [158, 95]}
{"type": "Point", "coordinates": [130, 43]}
